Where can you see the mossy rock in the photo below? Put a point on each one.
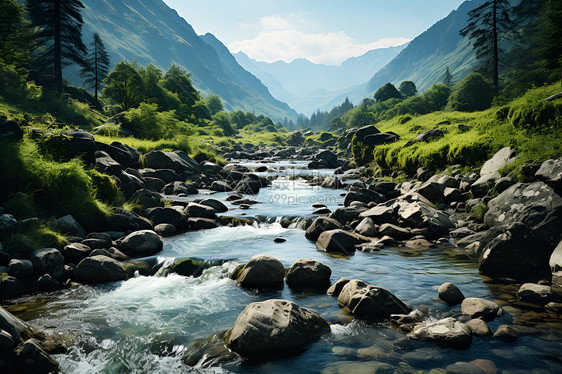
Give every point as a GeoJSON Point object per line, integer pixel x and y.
{"type": "Point", "coordinates": [234, 221]}
{"type": "Point", "coordinates": [189, 267]}
{"type": "Point", "coordinates": [143, 268]}
{"type": "Point", "coordinates": [236, 273]}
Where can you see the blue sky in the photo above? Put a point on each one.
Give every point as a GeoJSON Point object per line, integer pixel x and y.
{"type": "Point", "coordinates": [323, 31]}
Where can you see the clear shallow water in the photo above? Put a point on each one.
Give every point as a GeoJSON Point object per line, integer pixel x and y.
{"type": "Point", "coordinates": [143, 325]}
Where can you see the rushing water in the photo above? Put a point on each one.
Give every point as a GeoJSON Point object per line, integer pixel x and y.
{"type": "Point", "coordinates": [144, 324]}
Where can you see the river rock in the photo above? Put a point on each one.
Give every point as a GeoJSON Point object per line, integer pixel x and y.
{"type": "Point", "coordinates": [449, 293]}
{"type": "Point", "coordinates": [167, 215]}
{"type": "Point", "coordinates": [523, 251]}
{"type": "Point", "coordinates": [11, 287]}
{"type": "Point", "coordinates": [506, 333]}
{"type": "Point", "coordinates": [201, 223]}
{"type": "Point", "coordinates": [555, 261]}
{"type": "Point", "coordinates": [18, 329]}
{"type": "Point", "coordinates": [22, 269]}
{"type": "Point", "coordinates": [339, 241]}
{"type": "Point", "coordinates": [179, 188]}
{"type": "Point", "coordinates": [165, 175]}
{"type": "Point", "coordinates": [366, 227]}
{"type": "Point", "coordinates": [363, 195]}
{"type": "Point", "coordinates": [194, 210]}
{"type": "Point", "coordinates": [336, 288]}
{"type": "Point", "coordinates": [99, 269]}
{"type": "Point", "coordinates": [34, 359]}
{"type": "Point", "coordinates": [274, 327]}
{"type": "Point", "coordinates": [320, 225]}
{"type": "Point", "coordinates": [379, 214]}
{"type": "Point", "coordinates": [177, 161]}
{"type": "Point", "coordinates": [365, 131]}
{"type": "Point", "coordinates": [489, 172]}
{"type": "Point", "coordinates": [68, 224]}
{"type": "Point", "coordinates": [262, 272]}
{"type": "Point", "coordinates": [141, 243]}
{"type": "Point", "coordinates": [551, 173]}
{"type": "Point", "coordinates": [306, 273]}
{"type": "Point", "coordinates": [347, 214]}
{"type": "Point", "coordinates": [479, 327]}
{"type": "Point", "coordinates": [148, 199]}
{"type": "Point", "coordinates": [394, 231]}
{"type": "Point", "coordinates": [220, 186]}
{"type": "Point", "coordinates": [370, 302]}
{"type": "Point", "coordinates": [535, 293]}
{"type": "Point", "coordinates": [46, 283]}
{"type": "Point", "coordinates": [10, 130]}
{"type": "Point", "coordinates": [463, 368]}
{"type": "Point", "coordinates": [123, 220]}
{"type": "Point", "coordinates": [480, 308]}
{"type": "Point", "coordinates": [215, 204]}
{"type": "Point", "coordinates": [447, 331]}
{"type": "Point", "coordinates": [48, 261]}
{"type": "Point", "coordinates": [76, 252]}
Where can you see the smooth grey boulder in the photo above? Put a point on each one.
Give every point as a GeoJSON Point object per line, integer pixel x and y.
{"type": "Point", "coordinates": [46, 283]}
{"type": "Point", "coordinates": [165, 175]}
{"type": "Point", "coordinates": [141, 243]}
{"type": "Point", "coordinates": [262, 272]}
{"type": "Point", "coordinates": [394, 231]}
{"type": "Point", "coordinates": [365, 131]}
{"type": "Point", "coordinates": [450, 293]}
{"type": "Point", "coordinates": [48, 261]}
{"type": "Point", "coordinates": [336, 288]}
{"type": "Point", "coordinates": [274, 327]}
{"type": "Point", "coordinates": [339, 241]}
{"type": "Point", "coordinates": [220, 186]}
{"type": "Point", "coordinates": [366, 227]}
{"type": "Point", "coordinates": [307, 273]}
{"type": "Point", "coordinates": [448, 331]}
{"type": "Point", "coordinates": [347, 214]}
{"type": "Point", "coordinates": [123, 220]}
{"type": "Point", "coordinates": [535, 293]}
{"type": "Point", "coordinates": [148, 199]}
{"type": "Point", "coordinates": [99, 269]}
{"type": "Point", "coordinates": [195, 210]}
{"type": "Point", "coordinates": [479, 327]}
{"type": "Point", "coordinates": [432, 191]}
{"type": "Point", "coordinates": [370, 302]}
{"type": "Point", "coordinates": [201, 223]}
{"type": "Point", "coordinates": [320, 225]}
{"type": "Point", "coordinates": [480, 308]}
{"type": "Point", "coordinates": [489, 173]}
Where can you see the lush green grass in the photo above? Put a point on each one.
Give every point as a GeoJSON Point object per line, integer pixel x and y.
{"type": "Point", "coordinates": [528, 124]}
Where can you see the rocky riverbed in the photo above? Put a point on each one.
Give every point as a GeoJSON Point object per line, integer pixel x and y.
{"type": "Point", "coordinates": [287, 264]}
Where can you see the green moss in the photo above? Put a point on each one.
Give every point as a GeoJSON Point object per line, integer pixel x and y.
{"type": "Point", "coordinates": [479, 212]}
{"type": "Point", "coordinates": [25, 242]}
{"type": "Point", "coordinates": [142, 267]}
{"type": "Point", "coordinates": [236, 273]}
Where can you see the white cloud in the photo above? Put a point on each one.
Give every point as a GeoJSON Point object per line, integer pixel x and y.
{"type": "Point", "coordinates": [279, 40]}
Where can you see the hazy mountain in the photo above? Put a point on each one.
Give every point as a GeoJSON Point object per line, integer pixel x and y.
{"type": "Point", "coordinates": [427, 57]}
{"type": "Point", "coordinates": [307, 86]}
{"type": "Point", "coordinates": [148, 31]}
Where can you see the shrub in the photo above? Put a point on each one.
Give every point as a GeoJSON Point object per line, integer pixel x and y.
{"type": "Point", "coordinates": [474, 93]}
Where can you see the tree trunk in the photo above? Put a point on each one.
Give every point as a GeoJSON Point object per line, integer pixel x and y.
{"type": "Point", "coordinates": [57, 46]}
{"type": "Point", "coordinates": [496, 61]}
{"type": "Point", "coordinates": [96, 71]}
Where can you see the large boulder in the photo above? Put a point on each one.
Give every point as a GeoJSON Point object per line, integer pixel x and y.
{"type": "Point", "coordinates": [551, 173]}
{"type": "Point", "coordinates": [339, 241]}
{"type": "Point", "coordinates": [147, 199]}
{"type": "Point", "coordinates": [48, 261]}
{"type": "Point", "coordinates": [215, 204]}
{"type": "Point", "coordinates": [320, 225]}
{"type": "Point", "coordinates": [177, 161]}
{"type": "Point", "coordinates": [370, 302]}
{"type": "Point", "coordinates": [530, 218]}
{"type": "Point", "coordinates": [166, 175]}
{"type": "Point", "coordinates": [34, 359]}
{"type": "Point", "coordinates": [448, 331]}
{"type": "Point", "coordinates": [450, 294]}
{"type": "Point", "coordinates": [141, 243]}
{"type": "Point", "coordinates": [179, 188]}
{"type": "Point", "coordinates": [480, 308]}
{"type": "Point", "coordinates": [261, 272]}
{"type": "Point", "coordinates": [372, 141]}
{"type": "Point", "coordinates": [123, 220]}
{"type": "Point", "coordinates": [365, 131]}
{"type": "Point", "coordinates": [306, 273]}
{"type": "Point", "coordinates": [427, 136]}
{"type": "Point", "coordinates": [347, 214]}
{"type": "Point", "coordinates": [274, 327]}
{"type": "Point", "coordinates": [366, 228]}
{"type": "Point", "coordinates": [69, 225]}
{"type": "Point", "coordinates": [21, 269]}
{"type": "Point", "coordinates": [99, 269]}
{"type": "Point", "coordinates": [535, 293]}
{"type": "Point", "coordinates": [379, 214]}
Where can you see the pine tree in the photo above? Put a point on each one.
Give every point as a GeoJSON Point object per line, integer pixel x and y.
{"type": "Point", "coordinates": [15, 35]}
{"type": "Point", "coordinates": [488, 26]}
{"type": "Point", "coordinates": [448, 78]}
{"type": "Point", "coordinates": [59, 35]}
{"type": "Point", "coordinates": [548, 38]}
{"type": "Point", "coordinates": [97, 66]}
